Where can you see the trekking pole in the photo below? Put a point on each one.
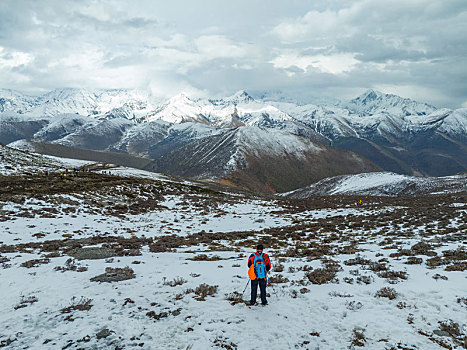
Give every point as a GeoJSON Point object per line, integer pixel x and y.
{"type": "Point", "coordinates": [246, 286]}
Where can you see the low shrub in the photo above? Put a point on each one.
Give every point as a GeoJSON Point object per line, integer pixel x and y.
{"type": "Point", "coordinates": [321, 276]}
{"type": "Point", "coordinates": [177, 281]}
{"type": "Point", "coordinates": [25, 301]}
{"type": "Point", "coordinates": [35, 262]}
{"type": "Point", "coordinates": [71, 265]}
{"type": "Point", "coordinates": [278, 268]}
{"type": "Point", "coordinates": [115, 275]}
{"type": "Point", "coordinates": [358, 337]}
{"type": "Point", "coordinates": [204, 257]}
{"type": "Point", "coordinates": [387, 292]}
{"type": "Point", "coordinates": [204, 290]}
{"type": "Point", "coordinates": [393, 276]}
{"type": "Point", "coordinates": [234, 298]}
{"type": "Point", "coordinates": [278, 278]}
{"type": "Point", "coordinates": [82, 304]}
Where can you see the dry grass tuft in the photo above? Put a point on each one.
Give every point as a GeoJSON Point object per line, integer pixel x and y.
{"type": "Point", "coordinates": [204, 290]}
{"type": "Point", "coordinates": [234, 298]}
{"type": "Point", "coordinates": [358, 337]}
{"type": "Point", "coordinates": [387, 292]}
{"type": "Point", "coordinates": [177, 281]}
{"type": "Point", "coordinates": [82, 304]}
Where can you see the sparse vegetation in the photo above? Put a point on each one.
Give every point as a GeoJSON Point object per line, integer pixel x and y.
{"type": "Point", "coordinates": [115, 275]}
{"type": "Point", "coordinates": [35, 262]}
{"type": "Point", "coordinates": [278, 278]}
{"type": "Point", "coordinates": [204, 257]}
{"type": "Point", "coordinates": [71, 265]}
{"type": "Point", "coordinates": [358, 337]}
{"type": "Point", "coordinates": [301, 239]}
{"type": "Point", "coordinates": [387, 292]}
{"type": "Point", "coordinates": [321, 276]}
{"type": "Point", "coordinates": [83, 304]}
{"type": "Point", "coordinates": [234, 298]}
{"type": "Point", "coordinates": [224, 343]}
{"type": "Point", "coordinates": [204, 290]}
{"type": "Point", "coordinates": [26, 301]}
{"type": "Point", "coordinates": [177, 281]}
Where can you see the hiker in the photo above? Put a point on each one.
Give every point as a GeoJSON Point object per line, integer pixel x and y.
{"type": "Point", "coordinates": [259, 265]}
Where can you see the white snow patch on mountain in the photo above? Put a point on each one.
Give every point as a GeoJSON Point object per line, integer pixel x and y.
{"type": "Point", "coordinates": [381, 184]}
{"type": "Point", "coordinates": [360, 182]}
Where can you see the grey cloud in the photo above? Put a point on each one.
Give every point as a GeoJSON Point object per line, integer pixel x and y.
{"type": "Point", "coordinates": [129, 44]}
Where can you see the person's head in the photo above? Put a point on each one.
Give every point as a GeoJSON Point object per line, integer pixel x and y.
{"type": "Point", "coordinates": [259, 247]}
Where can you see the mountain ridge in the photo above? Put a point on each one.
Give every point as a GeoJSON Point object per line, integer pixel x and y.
{"type": "Point", "coordinates": [394, 133]}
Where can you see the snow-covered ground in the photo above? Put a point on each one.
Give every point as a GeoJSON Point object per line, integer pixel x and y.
{"type": "Point", "coordinates": [20, 160]}
{"type": "Point", "coordinates": [162, 306]}
{"type": "Point", "coordinates": [381, 184]}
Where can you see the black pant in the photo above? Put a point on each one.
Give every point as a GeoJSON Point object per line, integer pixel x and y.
{"type": "Point", "coordinates": [254, 290]}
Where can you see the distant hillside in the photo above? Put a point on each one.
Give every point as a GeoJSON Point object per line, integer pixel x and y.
{"type": "Point", "coordinates": [382, 184]}
{"type": "Point", "coordinates": [84, 154]}
{"type": "Point", "coordinates": [260, 159]}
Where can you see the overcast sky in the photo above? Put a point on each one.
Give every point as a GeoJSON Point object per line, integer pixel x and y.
{"type": "Point", "coordinates": [306, 49]}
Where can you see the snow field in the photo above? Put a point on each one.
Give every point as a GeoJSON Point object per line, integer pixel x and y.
{"type": "Point", "coordinates": [159, 308]}
{"type": "Point", "coordinates": [285, 323]}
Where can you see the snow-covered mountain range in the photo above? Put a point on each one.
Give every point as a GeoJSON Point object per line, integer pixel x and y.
{"type": "Point", "coordinates": [394, 133]}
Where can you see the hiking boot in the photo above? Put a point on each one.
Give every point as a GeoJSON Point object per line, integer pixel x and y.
{"type": "Point", "coordinates": [252, 303]}
{"type": "Point", "coordinates": [264, 304]}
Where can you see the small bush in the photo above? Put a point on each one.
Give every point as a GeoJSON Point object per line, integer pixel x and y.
{"type": "Point", "coordinates": [413, 260]}
{"type": "Point", "coordinates": [204, 290]}
{"type": "Point", "coordinates": [278, 268]}
{"type": "Point", "coordinates": [321, 276]}
{"type": "Point", "coordinates": [35, 262]}
{"type": "Point", "coordinates": [358, 261]}
{"type": "Point", "coordinates": [438, 276]}
{"type": "Point", "coordinates": [115, 275]}
{"type": "Point", "coordinates": [224, 343]}
{"type": "Point", "coordinates": [434, 262]}
{"type": "Point", "coordinates": [451, 327]}
{"type": "Point", "coordinates": [179, 296]}
{"type": "Point", "coordinates": [278, 278]}
{"type": "Point", "coordinates": [25, 301]}
{"type": "Point", "coordinates": [204, 257]}
{"type": "Point", "coordinates": [358, 338]}
{"type": "Point", "coordinates": [422, 248]}
{"type": "Point", "coordinates": [340, 295]}
{"type": "Point", "coordinates": [461, 266]}
{"type": "Point", "coordinates": [155, 316]}
{"type": "Point", "coordinates": [387, 292]}
{"type": "Point", "coordinates": [83, 304]}
{"type": "Point", "coordinates": [234, 298]}
{"type": "Point", "coordinates": [393, 276]}
{"type": "Point", "coordinates": [354, 305]}
{"type": "Point", "coordinates": [177, 281]}
{"type": "Point", "coordinates": [71, 265]}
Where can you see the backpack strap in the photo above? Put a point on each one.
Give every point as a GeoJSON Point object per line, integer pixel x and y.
{"type": "Point", "coordinates": [257, 257]}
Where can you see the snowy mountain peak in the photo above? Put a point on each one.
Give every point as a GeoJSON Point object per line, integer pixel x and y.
{"type": "Point", "coordinates": [240, 96]}
{"type": "Point", "coordinates": [373, 102]}
{"type": "Point", "coordinates": [368, 96]}
{"type": "Point", "coordinates": [180, 98]}
{"type": "Point", "coordinates": [61, 93]}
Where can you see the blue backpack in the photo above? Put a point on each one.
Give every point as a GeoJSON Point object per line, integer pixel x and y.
{"type": "Point", "coordinates": [260, 266]}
